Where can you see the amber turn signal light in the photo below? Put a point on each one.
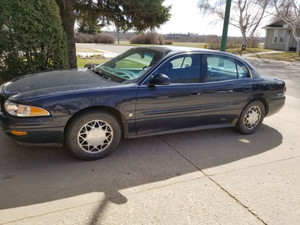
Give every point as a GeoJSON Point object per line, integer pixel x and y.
{"type": "Point", "coordinates": [18, 133]}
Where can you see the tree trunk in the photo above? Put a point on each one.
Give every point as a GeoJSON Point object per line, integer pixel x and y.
{"type": "Point", "coordinates": [244, 43]}
{"type": "Point", "coordinates": [66, 8]}
{"type": "Point", "coordinates": [298, 46]}
{"type": "Point", "coordinates": [244, 47]}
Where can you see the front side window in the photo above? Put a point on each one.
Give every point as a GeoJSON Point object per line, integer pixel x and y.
{"type": "Point", "coordinates": [130, 65]}
{"type": "Point", "coordinates": [182, 69]}
{"type": "Point", "coordinates": [220, 68]}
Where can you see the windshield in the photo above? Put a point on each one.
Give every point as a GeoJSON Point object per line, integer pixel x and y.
{"type": "Point", "coordinates": [130, 65]}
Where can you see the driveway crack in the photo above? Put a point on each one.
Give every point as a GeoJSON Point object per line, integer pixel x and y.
{"type": "Point", "coordinates": [212, 180]}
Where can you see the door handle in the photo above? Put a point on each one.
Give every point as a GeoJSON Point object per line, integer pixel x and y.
{"type": "Point", "coordinates": [195, 93]}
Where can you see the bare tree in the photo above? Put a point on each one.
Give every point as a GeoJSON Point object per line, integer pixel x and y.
{"type": "Point", "coordinates": [246, 15]}
{"type": "Point", "coordinates": [289, 12]}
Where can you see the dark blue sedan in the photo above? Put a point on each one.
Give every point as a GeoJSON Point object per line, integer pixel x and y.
{"type": "Point", "coordinates": [144, 91]}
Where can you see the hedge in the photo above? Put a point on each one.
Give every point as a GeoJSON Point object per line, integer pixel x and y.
{"type": "Point", "coordinates": [31, 37]}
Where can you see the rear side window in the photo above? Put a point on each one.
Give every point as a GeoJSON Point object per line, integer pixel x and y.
{"type": "Point", "coordinates": [243, 71]}
{"type": "Point", "coordinates": [222, 68]}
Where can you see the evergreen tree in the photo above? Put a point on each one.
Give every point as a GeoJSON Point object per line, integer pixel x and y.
{"type": "Point", "coordinates": [89, 27]}
{"type": "Point", "coordinates": [31, 37]}
{"type": "Point", "coordinates": [124, 14]}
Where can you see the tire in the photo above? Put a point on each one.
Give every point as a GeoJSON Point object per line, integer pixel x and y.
{"type": "Point", "coordinates": [93, 135]}
{"type": "Point", "coordinates": [251, 117]}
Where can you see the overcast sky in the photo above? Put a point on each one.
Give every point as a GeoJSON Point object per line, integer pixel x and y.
{"type": "Point", "coordinates": [186, 17]}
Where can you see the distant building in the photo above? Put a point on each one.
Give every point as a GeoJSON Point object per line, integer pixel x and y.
{"type": "Point", "coordinates": [280, 37]}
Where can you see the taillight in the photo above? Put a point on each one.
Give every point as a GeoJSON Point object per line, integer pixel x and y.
{"type": "Point", "coordinates": [284, 89]}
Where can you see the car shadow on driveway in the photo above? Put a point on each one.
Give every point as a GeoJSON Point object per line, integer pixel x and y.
{"type": "Point", "coordinates": [32, 175]}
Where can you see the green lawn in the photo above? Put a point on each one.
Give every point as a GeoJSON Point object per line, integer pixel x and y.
{"type": "Point", "coordinates": [82, 62]}
{"type": "Point", "coordinates": [237, 51]}
{"type": "Point", "coordinates": [80, 49]}
{"type": "Point", "coordinates": [281, 56]}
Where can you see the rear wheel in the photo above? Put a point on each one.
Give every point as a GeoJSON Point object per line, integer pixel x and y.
{"type": "Point", "coordinates": [93, 135]}
{"type": "Point", "coordinates": [251, 117]}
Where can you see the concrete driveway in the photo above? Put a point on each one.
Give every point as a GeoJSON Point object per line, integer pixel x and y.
{"type": "Point", "coordinates": [204, 177]}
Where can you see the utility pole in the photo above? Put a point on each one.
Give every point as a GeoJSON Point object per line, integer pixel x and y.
{"type": "Point", "coordinates": [118, 35]}
{"type": "Point", "coordinates": [225, 25]}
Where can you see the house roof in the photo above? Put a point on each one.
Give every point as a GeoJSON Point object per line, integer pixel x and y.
{"type": "Point", "coordinates": [279, 23]}
{"type": "Point", "coordinates": [276, 23]}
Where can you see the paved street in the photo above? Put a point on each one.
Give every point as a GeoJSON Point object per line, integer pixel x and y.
{"type": "Point", "coordinates": [204, 177]}
{"type": "Point", "coordinates": [105, 48]}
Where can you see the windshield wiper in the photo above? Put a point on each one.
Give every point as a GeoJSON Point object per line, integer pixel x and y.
{"type": "Point", "coordinates": [102, 74]}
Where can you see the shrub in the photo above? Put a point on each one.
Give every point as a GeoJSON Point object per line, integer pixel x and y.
{"type": "Point", "coordinates": [104, 38]}
{"type": "Point", "coordinates": [137, 39]}
{"type": "Point", "coordinates": [31, 38]}
{"type": "Point", "coordinates": [147, 38]}
{"type": "Point", "coordinates": [84, 38]}
{"type": "Point", "coordinates": [161, 39]}
{"type": "Point", "coordinates": [96, 38]}
{"type": "Point", "coordinates": [214, 43]}
{"type": "Point", "coordinates": [168, 42]}
{"type": "Point", "coordinates": [232, 42]}
{"type": "Point", "coordinates": [90, 38]}
{"type": "Point", "coordinates": [253, 42]}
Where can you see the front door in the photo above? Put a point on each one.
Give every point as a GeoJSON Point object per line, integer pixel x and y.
{"type": "Point", "coordinates": [173, 106]}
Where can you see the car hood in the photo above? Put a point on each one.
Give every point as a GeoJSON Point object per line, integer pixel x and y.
{"type": "Point", "coordinates": [54, 82]}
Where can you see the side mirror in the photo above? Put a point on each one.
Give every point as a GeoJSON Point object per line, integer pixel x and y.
{"type": "Point", "coordinates": [159, 79]}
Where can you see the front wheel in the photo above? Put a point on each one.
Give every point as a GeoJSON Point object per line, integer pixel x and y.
{"type": "Point", "coordinates": [93, 135]}
{"type": "Point", "coordinates": [251, 117]}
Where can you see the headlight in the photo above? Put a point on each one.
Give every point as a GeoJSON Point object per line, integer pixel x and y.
{"type": "Point", "coordinates": [4, 85]}
{"type": "Point", "coordinates": [24, 110]}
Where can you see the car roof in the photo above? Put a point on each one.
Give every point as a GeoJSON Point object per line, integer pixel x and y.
{"type": "Point", "coordinates": [166, 49]}
{"type": "Point", "coordinates": [173, 50]}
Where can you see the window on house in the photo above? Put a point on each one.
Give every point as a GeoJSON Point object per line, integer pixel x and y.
{"type": "Point", "coordinates": [281, 36]}
{"type": "Point", "coordinates": [275, 35]}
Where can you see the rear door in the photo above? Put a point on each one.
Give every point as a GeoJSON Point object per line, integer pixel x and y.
{"type": "Point", "coordinates": [226, 87]}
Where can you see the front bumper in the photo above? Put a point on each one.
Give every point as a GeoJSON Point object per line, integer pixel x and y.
{"type": "Point", "coordinates": [39, 130]}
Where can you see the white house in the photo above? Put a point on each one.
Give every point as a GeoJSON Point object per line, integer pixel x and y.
{"type": "Point", "coordinates": [280, 37]}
